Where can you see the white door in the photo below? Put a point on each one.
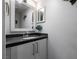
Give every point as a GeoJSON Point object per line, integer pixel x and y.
{"type": "Point", "coordinates": [24, 51]}
{"type": "Point", "coordinates": [41, 49]}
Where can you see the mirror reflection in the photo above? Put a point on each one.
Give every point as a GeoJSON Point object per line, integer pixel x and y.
{"type": "Point", "coordinates": [23, 16]}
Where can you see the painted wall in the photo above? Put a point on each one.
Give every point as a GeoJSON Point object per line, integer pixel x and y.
{"type": "Point", "coordinates": [61, 26]}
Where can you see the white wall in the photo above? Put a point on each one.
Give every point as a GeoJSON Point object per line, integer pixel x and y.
{"type": "Point", "coordinates": [61, 26]}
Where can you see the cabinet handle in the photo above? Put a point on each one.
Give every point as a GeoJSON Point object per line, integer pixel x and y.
{"type": "Point", "coordinates": [7, 8]}
{"type": "Point", "coordinates": [37, 47]}
{"type": "Point", "coordinates": [33, 50]}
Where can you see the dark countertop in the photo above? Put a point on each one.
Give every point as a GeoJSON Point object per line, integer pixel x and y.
{"type": "Point", "coordinates": [16, 39]}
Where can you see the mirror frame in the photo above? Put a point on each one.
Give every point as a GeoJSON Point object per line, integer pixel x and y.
{"type": "Point", "coordinates": [12, 17]}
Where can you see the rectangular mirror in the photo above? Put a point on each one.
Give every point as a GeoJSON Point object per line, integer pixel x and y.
{"type": "Point", "coordinates": [22, 16]}
{"type": "Point", "coordinates": [41, 15]}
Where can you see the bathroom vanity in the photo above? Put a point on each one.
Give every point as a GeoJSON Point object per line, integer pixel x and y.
{"type": "Point", "coordinates": [21, 17]}
{"type": "Point", "coordinates": [32, 47]}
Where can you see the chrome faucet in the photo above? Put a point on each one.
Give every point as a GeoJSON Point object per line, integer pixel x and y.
{"type": "Point", "coordinates": [25, 34]}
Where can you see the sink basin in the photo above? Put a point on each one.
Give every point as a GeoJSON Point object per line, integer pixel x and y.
{"type": "Point", "coordinates": [27, 38]}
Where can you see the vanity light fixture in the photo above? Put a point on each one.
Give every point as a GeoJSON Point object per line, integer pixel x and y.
{"type": "Point", "coordinates": [19, 1]}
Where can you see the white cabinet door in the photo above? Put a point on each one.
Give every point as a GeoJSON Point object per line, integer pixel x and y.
{"type": "Point", "coordinates": [24, 51]}
{"type": "Point", "coordinates": [8, 53]}
{"type": "Point", "coordinates": [41, 49]}
{"type": "Point", "coordinates": [33, 50]}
